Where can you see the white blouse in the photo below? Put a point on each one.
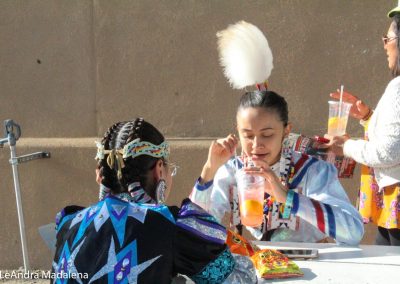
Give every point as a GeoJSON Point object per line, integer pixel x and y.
{"type": "Point", "coordinates": [382, 150]}
{"type": "Point", "coordinates": [323, 209]}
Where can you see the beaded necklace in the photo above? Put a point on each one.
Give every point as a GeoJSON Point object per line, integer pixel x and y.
{"type": "Point", "coordinates": [286, 173]}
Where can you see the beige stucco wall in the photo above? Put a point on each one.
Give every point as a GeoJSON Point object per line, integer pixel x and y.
{"type": "Point", "coordinates": [69, 69]}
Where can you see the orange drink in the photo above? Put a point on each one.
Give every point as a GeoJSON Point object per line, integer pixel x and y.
{"type": "Point", "coordinates": [250, 212]}
{"type": "Point", "coordinates": [251, 198]}
{"type": "Point", "coordinates": [338, 116]}
{"type": "Point", "coordinates": [337, 126]}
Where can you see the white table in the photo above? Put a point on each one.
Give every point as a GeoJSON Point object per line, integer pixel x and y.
{"type": "Point", "coordinates": [344, 264]}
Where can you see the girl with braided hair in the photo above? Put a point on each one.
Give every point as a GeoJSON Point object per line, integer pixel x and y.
{"type": "Point", "coordinates": [130, 236]}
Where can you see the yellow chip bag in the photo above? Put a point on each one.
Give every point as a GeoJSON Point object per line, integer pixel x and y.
{"type": "Point", "coordinates": [271, 264]}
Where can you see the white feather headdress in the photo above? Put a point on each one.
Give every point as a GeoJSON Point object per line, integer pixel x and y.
{"type": "Point", "coordinates": [245, 55]}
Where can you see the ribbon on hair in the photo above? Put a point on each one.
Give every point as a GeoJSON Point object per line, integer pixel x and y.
{"type": "Point", "coordinates": [115, 156]}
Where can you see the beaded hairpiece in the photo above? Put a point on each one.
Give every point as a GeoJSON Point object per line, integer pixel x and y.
{"type": "Point", "coordinates": [136, 148]}
{"type": "Point", "coordinates": [132, 149]}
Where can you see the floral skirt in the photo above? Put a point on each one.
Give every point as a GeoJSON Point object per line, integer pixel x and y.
{"type": "Point", "coordinates": [381, 208]}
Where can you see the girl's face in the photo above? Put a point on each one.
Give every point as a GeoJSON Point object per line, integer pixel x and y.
{"type": "Point", "coordinates": [261, 133]}
{"type": "Point", "coordinates": [390, 46]}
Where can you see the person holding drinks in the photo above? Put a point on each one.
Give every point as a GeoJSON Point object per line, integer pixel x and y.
{"type": "Point", "coordinates": [379, 152]}
{"type": "Point", "coordinates": [304, 200]}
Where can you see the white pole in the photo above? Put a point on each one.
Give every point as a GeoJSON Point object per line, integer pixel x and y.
{"type": "Point", "coordinates": [14, 163]}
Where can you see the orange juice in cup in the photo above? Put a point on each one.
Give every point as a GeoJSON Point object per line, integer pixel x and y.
{"type": "Point", "coordinates": [250, 212]}
{"type": "Point", "coordinates": [251, 198]}
{"type": "Point", "coordinates": [338, 116]}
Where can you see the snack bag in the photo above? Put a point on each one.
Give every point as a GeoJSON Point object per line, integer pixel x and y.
{"type": "Point", "coordinates": [239, 245]}
{"type": "Point", "coordinates": [271, 264]}
{"type": "Point", "coordinates": [344, 165]}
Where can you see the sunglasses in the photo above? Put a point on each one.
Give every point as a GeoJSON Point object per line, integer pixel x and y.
{"type": "Point", "coordinates": [174, 168]}
{"type": "Point", "coordinates": [387, 39]}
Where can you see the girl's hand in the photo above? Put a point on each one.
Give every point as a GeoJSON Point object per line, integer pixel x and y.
{"type": "Point", "coordinates": [272, 185]}
{"type": "Point", "coordinates": [335, 144]}
{"type": "Point", "coordinates": [219, 153]}
{"type": "Point", "coordinates": [358, 109]}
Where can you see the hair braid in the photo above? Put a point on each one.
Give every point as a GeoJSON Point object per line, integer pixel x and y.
{"type": "Point", "coordinates": [137, 174]}
{"type": "Point", "coordinates": [109, 176]}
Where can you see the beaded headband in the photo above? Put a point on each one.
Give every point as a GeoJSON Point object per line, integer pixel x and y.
{"type": "Point", "coordinates": [132, 149]}
{"type": "Point", "coordinates": [136, 148]}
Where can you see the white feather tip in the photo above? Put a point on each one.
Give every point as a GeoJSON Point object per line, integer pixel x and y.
{"type": "Point", "coordinates": [244, 54]}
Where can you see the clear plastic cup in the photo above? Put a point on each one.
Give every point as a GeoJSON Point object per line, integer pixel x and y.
{"type": "Point", "coordinates": [338, 117]}
{"type": "Point", "coordinates": [251, 198]}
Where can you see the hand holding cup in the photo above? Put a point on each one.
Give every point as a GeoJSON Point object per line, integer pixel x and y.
{"type": "Point", "coordinates": [272, 184]}
{"type": "Point", "coordinates": [358, 108]}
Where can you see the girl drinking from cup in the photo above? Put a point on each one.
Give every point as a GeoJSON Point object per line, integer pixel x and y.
{"type": "Point", "coordinates": [304, 200]}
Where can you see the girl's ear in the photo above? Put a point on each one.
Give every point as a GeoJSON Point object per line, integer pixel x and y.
{"type": "Point", "coordinates": [158, 170]}
{"type": "Point", "coordinates": [288, 129]}
{"type": "Point", "coordinates": [99, 178]}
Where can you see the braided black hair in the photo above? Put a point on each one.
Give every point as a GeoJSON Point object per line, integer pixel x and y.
{"type": "Point", "coordinates": [268, 100]}
{"type": "Point", "coordinates": [136, 169]}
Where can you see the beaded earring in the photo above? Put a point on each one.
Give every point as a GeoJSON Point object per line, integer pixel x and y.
{"type": "Point", "coordinates": [160, 191]}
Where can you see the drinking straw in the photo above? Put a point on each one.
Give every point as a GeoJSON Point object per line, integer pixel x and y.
{"type": "Point", "coordinates": [341, 99]}
{"type": "Point", "coordinates": [236, 160]}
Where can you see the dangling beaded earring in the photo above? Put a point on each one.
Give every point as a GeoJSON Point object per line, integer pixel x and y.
{"type": "Point", "coordinates": [160, 191]}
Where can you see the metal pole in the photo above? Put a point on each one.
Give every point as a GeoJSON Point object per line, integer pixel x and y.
{"type": "Point", "coordinates": [14, 162]}
{"type": "Point", "coordinates": [13, 133]}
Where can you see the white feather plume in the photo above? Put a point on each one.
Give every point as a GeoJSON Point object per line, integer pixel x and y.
{"type": "Point", "coordinates": [244, 54]}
